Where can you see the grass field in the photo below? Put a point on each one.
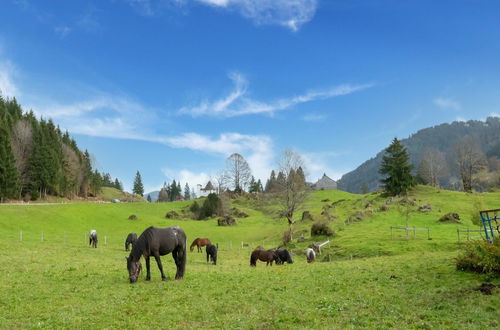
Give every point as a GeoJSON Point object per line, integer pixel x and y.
{"type": "Point", "coordinates": [372, 280]}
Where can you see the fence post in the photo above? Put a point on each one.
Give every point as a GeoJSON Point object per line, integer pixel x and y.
{"type": "Point", "coordinates": [84, 239]}
{"type": "Point", "coordinates": [105, 240]}
{"type": "Point", "coordinates": [406, 230]}
{"type": "Point", "coordinates": [458, 235]}
{"type": "Point", "coordinates": [391, 233]}
{"type": "Point", "coordinates": [414, 233]}
{"type": "Point", "coordinates": [468, 234]}
{"type": "Point", "coordinates": [428, 233]}
{"type": "Point", "coordinates": [41, 237]}
{"type": "Point", "coordinates": [64, 237]}
{"type": "Point", "coordinates": [21, 235]}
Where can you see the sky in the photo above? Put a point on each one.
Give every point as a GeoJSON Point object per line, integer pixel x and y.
{"type": "Point", "coordinates": [171, 88]}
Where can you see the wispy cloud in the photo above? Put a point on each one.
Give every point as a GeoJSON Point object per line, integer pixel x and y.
{"type": "Point", "coordinates": [62, 31]}
{"type": "Point", "coordinates": [314, 117]}
{"type": "Point", "coordinates": [447, 103]}
{"type": "Point", "coordinates": [7, 86]}
{"type": "Point", "coordinates": [291, 14]}
{"type": "Point", "coordinates": [237, 103]}
{"type": "Point", "coordinates": [319, 163]}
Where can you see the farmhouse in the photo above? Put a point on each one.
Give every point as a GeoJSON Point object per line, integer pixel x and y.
{"type": "Point", "coordinates": [209, 188]}
{"type": "Point", "coordinates": [325, 183]}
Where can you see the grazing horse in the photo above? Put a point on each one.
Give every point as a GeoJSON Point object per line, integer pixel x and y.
{"type": "Point", "coordinates": [199, 242]}
{"type": "Point", "coordinates": [283, 256]}
{"type": "Point", "coordinates": [158, 242]}
{"type": "Point", "coordinates": [93, 238]}
{"type": "Point", "coordinates": [131, 239]}
{"type": "Point", "coordinates": [211, 253]}
{"type": "Point", "coordinates": [263, 255]}
{"type": "Point", "coordinates": [310, 255]}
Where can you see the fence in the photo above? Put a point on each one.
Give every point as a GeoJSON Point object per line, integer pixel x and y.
{"type": "Point", "coordinates": [469, 231]}
{"type": "Point", "coordinates": [411, 229]}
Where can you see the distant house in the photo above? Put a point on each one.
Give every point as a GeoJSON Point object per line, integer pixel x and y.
{"type": "Point", "coordinates": [325, 183]}
{"type": "Point", "coordinates": [209, 188]}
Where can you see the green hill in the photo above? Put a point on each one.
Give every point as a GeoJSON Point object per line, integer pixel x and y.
{"type": "Point", "coordinates": [372, 280]}
{"type": "Point", "coordinates": [442, 138]}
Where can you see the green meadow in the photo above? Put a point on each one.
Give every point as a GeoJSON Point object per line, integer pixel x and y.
{"type": "Point", "coordinates": [363, 277]}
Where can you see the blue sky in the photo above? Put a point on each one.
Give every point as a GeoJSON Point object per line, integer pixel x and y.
{"type": "Point", "coordinates": [173, 87]}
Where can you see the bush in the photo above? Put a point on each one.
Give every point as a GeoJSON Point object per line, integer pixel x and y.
{"type": "Point", "coordinates": [450, 217]}
{"type": "Point", "coordinates": [321, 228]}
{"type": "Point", "coordinates": [226, 221]}
{"type": "Point", "coordinates": [480, 257]}
{"type": "Point", "coordinates": [210, 207]}
{"type": "Point", "coordinates": [195, 208]}
{"type": "Point", "coordinates": [132, 217]}
{"type": "Point", "coordinates": [171, 215]}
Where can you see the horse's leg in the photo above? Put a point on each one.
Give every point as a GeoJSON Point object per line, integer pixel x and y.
{"type": "Point", "coordinates": [180, 261]}
{"type": "Point", "coordinates": [148, 272]}
{"type": "Point", "coordinates": [158, 262]}
{"type": "Point", "coordinates": [207, 255]}
{"type": "Point", "coordinates": [199, 249]}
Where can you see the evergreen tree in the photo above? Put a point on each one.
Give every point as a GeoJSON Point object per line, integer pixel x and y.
{"type": "Point", "coordinates": [163, 195]}
{"type": "Point", "coordinates": [252, 185]}
{"type": "Point", "coordinates": [9, 176]}
{"type": "Point", "coordinates": [138, 186]}
{"type": "Point", "coordinates": [187, 192]}
{"type": "Point", "coordinates": [193, 194]}
{"type": "Point", "coordinates": [149, 198]}
{"type": "Point", "coordinates": [118, 185]}
{"type": "Point", "coordinates": [259, 185]}
{"type": "Point", "coordinates": [179, 191]}
{"type": "Point", "coordinates": [397, 169]}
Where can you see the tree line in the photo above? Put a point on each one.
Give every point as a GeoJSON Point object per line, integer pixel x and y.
{"type": "Point", "coordinates": [37, 159]}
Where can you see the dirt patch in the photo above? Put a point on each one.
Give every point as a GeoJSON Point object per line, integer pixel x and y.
{"type": "Point", "coordinates": [487, 288]}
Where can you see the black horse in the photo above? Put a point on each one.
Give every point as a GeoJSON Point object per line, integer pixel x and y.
{"type": "Point", "coordinates": [93, 238]}
{"type": "Point", "coordinates": [131, 239]}
{"type": "Point", "coordinates": [158, 242]}
{"type": "Point", "coordinates": [283, 256]}
{"type": "Point", "coordinates": [212, 253]}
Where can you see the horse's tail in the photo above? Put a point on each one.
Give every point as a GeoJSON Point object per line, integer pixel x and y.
{"type": "Point", "coordinates": [181, 259]}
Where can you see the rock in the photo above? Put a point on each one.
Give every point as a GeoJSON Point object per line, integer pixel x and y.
{"type": "Point", "coordinates": [384, 208]}
{"type": "Point", "coordinates": [226, 221]}
{"type": "Point", "coordinates": [301, 239]}
{"type": "Point", "coordinates": [321, 228]}
{"type": "Point", "coordinates": [450, 217]}
{"type": "Point", "coordinates": [388, 201]}
{"type": "Point", "coordinates": [325, 200]}
{"type": "Point", "coordinates": [238, 213]}
{"type": "Point", "coordinates": [306, 215]}
{"type": "Point", "coordinates": [132, 217]}
{"type": "Point", "coordinates": [425, 208]}
{"type": "Point", "coordinates": [171, 215]}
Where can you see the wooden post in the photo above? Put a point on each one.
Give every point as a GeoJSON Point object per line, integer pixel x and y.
{"type": "Point", "coordinates": [84, 239]}
{"type": "Point", "coordinates": [428, 233]}
{"type": "Point", "coordinates": [41, 237]}
{"type": "Point", "coordinates": [391, 234]}
{"type": "Point", "coordinates": [105, 240]}
{"type": "Point", "coordinates": [458, 235]}
{"type": "Point", "coordinates": [414, 232]}
{"type": "Point", "coordinates": [406, 230]}
{"type": "Point", "coordinates": [468, 234]}
{"type": "Point", "coordinates": [21, 235]}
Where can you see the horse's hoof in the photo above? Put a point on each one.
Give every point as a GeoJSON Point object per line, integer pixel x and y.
{"type": "Point", "coordinates": [148, 279]}
{"type": "Point", "coordinates": [163, 278]}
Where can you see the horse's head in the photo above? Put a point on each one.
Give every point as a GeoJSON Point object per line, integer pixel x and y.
{"type": "Point", "coordinates": [134, 269]}
{"type": "Point", "coordinates": [288, 257]}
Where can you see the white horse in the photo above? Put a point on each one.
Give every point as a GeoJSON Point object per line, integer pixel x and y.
{"type": "Point", "coordinates": [310, 255]}
{"type": "Point", "coordinates": [93, 238]}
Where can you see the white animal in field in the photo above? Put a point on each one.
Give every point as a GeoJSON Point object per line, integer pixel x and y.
{"type": "Point", "coordinates": [310, 255]}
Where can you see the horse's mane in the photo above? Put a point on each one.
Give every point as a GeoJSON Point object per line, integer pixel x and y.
{"type": "Point", "coordinates": [142, 243]}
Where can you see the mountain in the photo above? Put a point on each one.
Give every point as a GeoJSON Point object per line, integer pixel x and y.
{"type": "Point", "coordinates": [441, 137]}
{"type": "Point", "coordinates": [153, 194]}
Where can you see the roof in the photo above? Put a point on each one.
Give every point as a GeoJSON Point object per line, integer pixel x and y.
{"type": "Point", "coordinates": [209, 186]}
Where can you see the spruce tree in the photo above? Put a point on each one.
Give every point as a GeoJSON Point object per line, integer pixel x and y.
{"type": "Point", "coordinates": [149, 198]}
{"type": "Point", "coordinates": [187, 192]}
{"type": "Point", "coordinates": [9, 176]}
{"type": "Point", "coordinates": [397, 169]}
{"type": "Point", "coordinates": [138, 186]}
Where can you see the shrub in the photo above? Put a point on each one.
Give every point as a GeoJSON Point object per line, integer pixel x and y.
{"type": "Point", "coordinates": [450, 217]}
{"type": "Point", "coordinates": [226, 221]}
{"type": "Point", "coordinates": [210, 207]}
{"type": "Point", "coordinates": [321, 228]}
{"type": "Point", "coordinates": [480, 257]}
{"type": "Point", "coordinates": [132, 217]}
{"type": "Point", "coordinates": [195, 208]}
{"type": "Point", "coordinates": [171, 215]}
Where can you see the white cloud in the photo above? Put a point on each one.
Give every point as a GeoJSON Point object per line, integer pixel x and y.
{"type": "Point", "coordinates": [291, 14]}
{"type": "Point", "coordinates": [314, 117]}
{"type": "Point", "coordinates": [62, 31]}
{"type": "Point", "coordinates": [184, 175]}
{"type": "Point", "coordinates": [237, 103]}
{"type": "Point", "coordinates": [7, 86]}
{"type": "Point", "coordinates": [317, 164]}
{"type": "Point", "coordinates": [447, 103]}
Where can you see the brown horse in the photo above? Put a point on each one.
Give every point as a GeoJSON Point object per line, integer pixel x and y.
{"type": "Point", "coordinates": [199, 242]}
{"type": "Point", "coordinates": [263, 255]}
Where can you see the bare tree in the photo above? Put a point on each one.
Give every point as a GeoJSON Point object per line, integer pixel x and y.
{"type": "Point", "coordinates": [292, 190]}
{"type": "Point", "coordinates": [432, 167]}
{"type": "Point", "coordinates": [22, 147]}
{"type": "Point", "coordinates": [221, 179]}
{"type": "Point", "coordinates": [238, 172]}
{"type": "Point", "coordinates": [469, 159]}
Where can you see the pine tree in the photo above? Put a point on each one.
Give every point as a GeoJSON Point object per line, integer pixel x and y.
{"type": "Point", "coordinates": [187, 192]}
{"type": "Point", "coordinates": [149, 198]}
{"type": "Point", "coordinates": [259, 186]}
{"type": "Point", "coordinates": [138, 186]}
{"type": "Point", "coordinates": [395, 165]}
{"type": "Point", "coordinates": [9, 176]}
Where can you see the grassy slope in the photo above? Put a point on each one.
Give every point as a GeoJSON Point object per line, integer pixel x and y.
{"type": "Point", "coordinates": [412, 283]}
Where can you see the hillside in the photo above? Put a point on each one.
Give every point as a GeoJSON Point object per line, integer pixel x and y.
{"type": "Point", "coordinates": [442, 137]}
{"type": "Point", "coordinates": [368, 282]}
